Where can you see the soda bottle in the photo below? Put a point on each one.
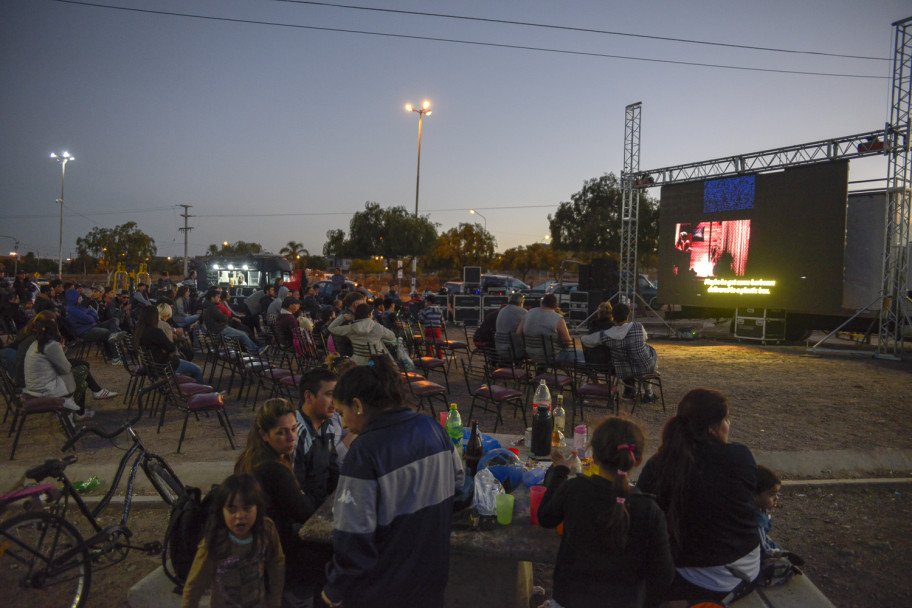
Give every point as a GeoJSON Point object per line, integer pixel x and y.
{"type": "Point", "coordinates": [88, 485]}
{"type": "Point", "coordinates": [454, 425]}
{"type": "Point", "coordinates": [542, 429]}
{"type": "Point", "coordinates": [474, 449]}
{"type": "Point", "coordinates": [542, 396]}
{"type": "Point", "coordinates": [560, 419]}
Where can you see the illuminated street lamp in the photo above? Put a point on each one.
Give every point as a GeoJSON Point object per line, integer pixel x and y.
{"type": "Point", "coordinates": [63, 158]}
{"type": "Point", "coordinates": [473, 212]}
{"type": "Point", "coordinates": [15, 253]}
{"type": "Point", "coordinates": [425, 109]}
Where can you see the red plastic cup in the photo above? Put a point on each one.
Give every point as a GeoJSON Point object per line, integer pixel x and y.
{"type": "Point", "coordinates": [443, 417]}
{"type": "Point", "coordinates": [535, 497]}
{"type": "Point", "coordinates": [514, 450]}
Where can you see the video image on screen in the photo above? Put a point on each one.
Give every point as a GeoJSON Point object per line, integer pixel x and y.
{"type": "Point", "coordinates": [765, 241]}
{"type": "Point", "coordinates": [716, 249]}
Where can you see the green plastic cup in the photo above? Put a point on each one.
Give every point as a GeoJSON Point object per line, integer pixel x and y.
{"type": "Point", "coordinates": [504, 503]}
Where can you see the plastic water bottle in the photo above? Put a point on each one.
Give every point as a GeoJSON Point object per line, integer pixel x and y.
{"type": "Point", "coordinates": [542, 397]}
{"type": "Point", "coordinates": [580, 439]}
{"type": "Point", "coordinates": [454, 425]}
{"type": "Point", "coordinates": [574, 464]}
{"type": "Point", "coordinates": [88, 485]}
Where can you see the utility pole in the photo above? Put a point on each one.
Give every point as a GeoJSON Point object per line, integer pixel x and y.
{"type": "Point", "coordinates": [186, 230]}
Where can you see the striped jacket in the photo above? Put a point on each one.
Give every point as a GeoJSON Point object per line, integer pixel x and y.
{"type": "Point", "coordinates": [392, 514]}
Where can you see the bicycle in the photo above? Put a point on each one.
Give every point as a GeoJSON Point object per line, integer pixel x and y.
{"type": "Point", "coordinates": [43, 557]}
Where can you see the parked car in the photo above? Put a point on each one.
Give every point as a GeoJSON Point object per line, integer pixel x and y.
{"type": "Point", "coordinates": [324, 290]}
{"type": "Point", "coordinates": [500, 284]}
{"type": "Point", "coordinates": [452, 287]}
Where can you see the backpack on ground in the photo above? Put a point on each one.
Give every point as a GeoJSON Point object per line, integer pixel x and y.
{"type": "Point", "coordinates": [185, 531]}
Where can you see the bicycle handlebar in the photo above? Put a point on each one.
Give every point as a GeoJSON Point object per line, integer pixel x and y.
{"type": "Point", "coordinates": [82, 432]}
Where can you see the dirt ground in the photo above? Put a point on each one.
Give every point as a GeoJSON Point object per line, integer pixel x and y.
{"type": "Point", "coordinates": [855, 538]}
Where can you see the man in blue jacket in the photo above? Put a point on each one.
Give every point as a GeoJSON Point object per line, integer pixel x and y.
{"type": "Point", "coordinates": [83, 321]}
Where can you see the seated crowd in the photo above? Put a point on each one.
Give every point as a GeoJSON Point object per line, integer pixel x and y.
{"type": "Point", "coordinates": [687, 531]}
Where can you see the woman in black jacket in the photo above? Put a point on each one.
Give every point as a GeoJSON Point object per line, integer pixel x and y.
{"type": "Point", "coordinates": [705, 485]}
{"type": "Point", "coordinates": [149, 335]}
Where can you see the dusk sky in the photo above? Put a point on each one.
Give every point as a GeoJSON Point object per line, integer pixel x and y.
{"type": "Point", "coordinates": [276, 133]}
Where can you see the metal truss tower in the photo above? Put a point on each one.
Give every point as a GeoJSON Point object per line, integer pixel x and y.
{"type": "Point", "coordinates": [629, 205]}
{"type": "Point", "coordinates": [893, 319]}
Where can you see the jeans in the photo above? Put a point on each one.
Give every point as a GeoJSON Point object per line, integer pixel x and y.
{"type": "Point", "coordinates": [8, 359]}
{"type": "Point", "coordinates": [99, 334]}
{"type": "Point", "coordinates": [190, 369]}
{"type": "Point", "coordinates": [186, 321]}
{"type": "Point", "coordinates": [249, 345]}
{"type": "Point", "coordinates": [569, 355]}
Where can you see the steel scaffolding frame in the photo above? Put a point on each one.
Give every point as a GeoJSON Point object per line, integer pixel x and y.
{"type": "Point", "coordinates": [630, 210]}
{"type": "Point", "coordinates": [893, 318]}
{"type": "Point", "coordinates": [893, 141]}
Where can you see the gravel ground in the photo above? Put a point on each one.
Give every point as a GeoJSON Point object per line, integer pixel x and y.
{"type": "Point", "coordinates": [856, 539]}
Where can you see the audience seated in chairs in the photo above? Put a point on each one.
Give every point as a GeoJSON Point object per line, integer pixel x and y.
{"type": "Point", "coordinates": [83, 321]}
{"type": "Point", "coordinates": [637, 358]}
{"type": "Point", "coordinates": [217, 323]}
{"type": "Point", "coordinates": [150, 336]}
{"type": "Point", "coordinates": [546, 322]}
{"type": "Point", "coordinates": [509, 320]}
{"type": "Point", "coordinates": [363, 331]}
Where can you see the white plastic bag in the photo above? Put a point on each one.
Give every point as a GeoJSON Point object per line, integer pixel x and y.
{"type": "Point", "coordinates": [486, 490]}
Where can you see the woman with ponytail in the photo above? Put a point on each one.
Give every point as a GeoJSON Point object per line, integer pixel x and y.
{"type": "Point", "coordinates": [614, 551]}
{"type": "Point", "coordinates": [705, 485]}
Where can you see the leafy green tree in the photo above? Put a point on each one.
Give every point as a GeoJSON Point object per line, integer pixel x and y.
{"type": "Point", "coordinates": [524, 259]}
{"type": "Point", "coordinates": [238, 249]}
{"type": "Point", "coordinates": [335, 243]}
{"type": "Point", "coordinates": [591, 221]}
{"type": "Point", "coordinates": [390, 233]}
{"type": "Point", "coordinates": [465, 245]}
{"type": "Point", "coordinates": [109, 246]}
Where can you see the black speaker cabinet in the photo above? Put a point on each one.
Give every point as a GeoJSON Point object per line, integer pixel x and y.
{"type": "Point", "coordinates": [585, 277]}
{"type": "Point", "coordinates": [471, 274]}
{"type": "Point", "coordinates": [604, 273]}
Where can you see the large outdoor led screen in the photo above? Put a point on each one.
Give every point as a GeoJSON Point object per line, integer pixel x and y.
{"type": "Point", "coordinates": [771, 240]}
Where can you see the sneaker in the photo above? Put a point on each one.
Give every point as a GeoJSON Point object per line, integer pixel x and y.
{"type": "Point", "coordinates": [69, 404]}
{"type": "Point", "coordinates": [263, 350]}
{"type": "Point", "coordinates": [87, 415]}
{"type": "Point", "coordinates": [116, 361]}
{"type": "Point", "coordinates": [650, 397]}
{"type": "Point", "coordinates": [104, 394]}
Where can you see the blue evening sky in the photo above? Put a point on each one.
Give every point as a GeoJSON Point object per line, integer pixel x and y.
{"type": "Point", "coordinates": [304, 126]}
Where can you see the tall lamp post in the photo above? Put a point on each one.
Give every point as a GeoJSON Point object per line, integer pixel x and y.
{"type": "Point", "coordinates": [63, 158]}
{"type": "Point", "coordinates": [424, 109]}
{"type": "Point", "coordinates": [473, 212]}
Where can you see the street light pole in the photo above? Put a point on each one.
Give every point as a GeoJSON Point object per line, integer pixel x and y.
{"type": "Point", "coordinates": [473, 212]}
{"type": "Point", "coordinates": [424, 109]}
{"type": "Point", "coordinates": [63, 158]}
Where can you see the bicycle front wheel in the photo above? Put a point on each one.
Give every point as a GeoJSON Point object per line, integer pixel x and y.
{"type": "Point", "coordinates": [164, 480]}
{"type": "Point", "coordinates": [43, 562]}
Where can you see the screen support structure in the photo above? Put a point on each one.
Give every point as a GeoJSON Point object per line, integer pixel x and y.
{"type": "Point", "coordinates": [630, 210]}
{"type": "Point", "coordinates": [893, 141]}
{"type": "Point", "coordinates": [893, 315]}
{"type": "Point", "coordinates": [630, 214]}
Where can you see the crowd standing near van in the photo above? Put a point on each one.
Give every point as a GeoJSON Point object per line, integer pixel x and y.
{"type": "Point", "coordinates": [695, 527]}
